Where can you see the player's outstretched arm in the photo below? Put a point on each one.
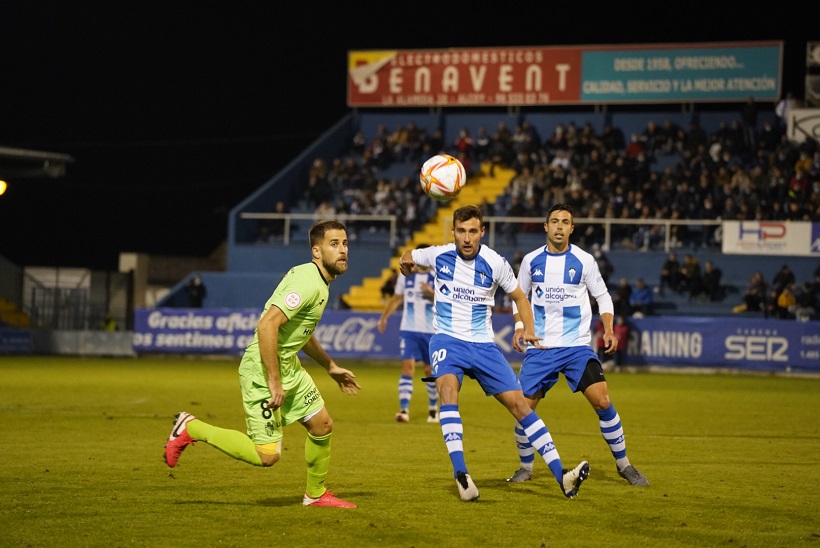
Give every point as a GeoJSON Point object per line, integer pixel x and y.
{"type": "Point", "coordinates": [406, 263]}
{"type": "Point", "coordinates": [344, 377]}
{"type": "Point", "coordinates": [392, 306]}
{"type": "Point", "coordinates": [524, 314]}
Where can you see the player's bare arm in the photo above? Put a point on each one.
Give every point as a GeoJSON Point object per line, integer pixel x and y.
{"type": "Point", "coordinates": [392, 305]}
{"type": "Point", "coordinates": [524, 314]}
{"type": "Point", "coordinates": [268, 329]}
{"type": "Point", "coordinates": [610, 340]}
{"type": "Point", "coordinates": [343, 377]}
{"type": "Point", "coordinates": [406, 263]}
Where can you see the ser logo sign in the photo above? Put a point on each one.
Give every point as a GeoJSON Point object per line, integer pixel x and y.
{"type": "Point", "coordinates": [757, 348]}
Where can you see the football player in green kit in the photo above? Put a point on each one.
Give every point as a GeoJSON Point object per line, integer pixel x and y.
{"type": "Point", "coordinates": [276, 389]}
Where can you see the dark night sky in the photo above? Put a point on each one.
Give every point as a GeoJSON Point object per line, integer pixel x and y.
{"type": "Point", "coordinates": [175, 113]}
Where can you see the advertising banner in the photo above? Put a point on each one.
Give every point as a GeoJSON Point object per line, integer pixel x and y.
{"type": "Point", "coordinates": [565, 75]}
{"type": "Point", "coordinates": [795, 238]}
{"type": "Point", "coordinates": [803, 124]}
{"type": "Point", "coordinates": [742, 343]}
{"type": "Point", "coordinates": [736, 343]}
{"type": "Point", "coordinates": [15, 341]}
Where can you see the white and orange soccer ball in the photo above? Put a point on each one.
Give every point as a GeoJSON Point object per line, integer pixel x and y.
{"type": "Point", "coordinates": [442, 177]}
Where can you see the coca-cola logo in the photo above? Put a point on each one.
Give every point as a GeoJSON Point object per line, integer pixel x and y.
{"type": "Point", "coordinates": [352, 335]}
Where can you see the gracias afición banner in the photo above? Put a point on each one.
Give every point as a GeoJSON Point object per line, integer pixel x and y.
{"type": "Point", "coordinates": [565, 75]}
{"type": "Point", "coordinates": [741, 343]}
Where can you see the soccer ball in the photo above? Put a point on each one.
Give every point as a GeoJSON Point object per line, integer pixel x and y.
{"type": "Point", "coordinates": [442, 177]}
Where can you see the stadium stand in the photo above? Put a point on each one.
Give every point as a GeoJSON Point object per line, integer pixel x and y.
{"type": "Point", "coordinates": [359, 288]}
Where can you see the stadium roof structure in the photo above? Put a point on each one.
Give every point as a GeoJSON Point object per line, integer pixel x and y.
{"type": "Point", "coordinates": [19, 163]}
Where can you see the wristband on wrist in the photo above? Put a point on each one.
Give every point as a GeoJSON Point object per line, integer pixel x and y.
{"type": "Point", "coordinates": [519, 325]}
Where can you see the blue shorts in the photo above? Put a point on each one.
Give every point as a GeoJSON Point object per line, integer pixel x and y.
{"type": "Point", "coordinates": [415, 346]}
{"type": "Point", "coordinates": [540, 368]}
{"type": "Point", "coordinates": [483, 362]}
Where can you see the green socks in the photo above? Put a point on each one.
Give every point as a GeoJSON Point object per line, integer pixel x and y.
{"type": "Point", "coordinates": [231, 442]}
{"type": "Point", "coordinates": [317, 457]}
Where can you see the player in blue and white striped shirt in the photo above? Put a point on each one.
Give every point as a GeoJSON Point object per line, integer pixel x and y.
{"type": "Point", "coordinates": [557, 278]}
{"type": "Point", "coordinates": [467, 275]}
{"type": "Point", "coordinates": [415, 292]}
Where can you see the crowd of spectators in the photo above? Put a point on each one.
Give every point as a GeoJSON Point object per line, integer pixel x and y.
{"type": "Point", "coordinates": [739, 172]}
{"type": "Point", "coordinates": [784, 298]}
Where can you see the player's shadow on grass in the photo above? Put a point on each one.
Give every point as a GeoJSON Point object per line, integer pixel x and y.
{"type": "Point", "coordinates": [290, 501]}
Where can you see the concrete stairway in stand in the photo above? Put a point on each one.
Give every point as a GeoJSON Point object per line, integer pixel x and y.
{"type": "Point", "coordinates": [366, 297]}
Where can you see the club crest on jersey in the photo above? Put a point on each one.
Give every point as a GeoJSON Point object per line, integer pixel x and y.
{"type": "Point", "coordinates": [293, 299]}
{"type": "Point", "coordinates": [572, 272]}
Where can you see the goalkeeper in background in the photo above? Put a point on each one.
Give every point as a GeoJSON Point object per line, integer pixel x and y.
{"type": "Point", "coordinates": [276, 389]}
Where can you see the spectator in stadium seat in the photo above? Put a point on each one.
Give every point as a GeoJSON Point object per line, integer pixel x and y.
{"type": "Point", "coordinates": [786, 303]}
{"type": "Point", "coordinates": [634, 147]}
{"type": "Point", "coordinates": [413, 142]}
{"type": "Point", "coordinates": [806, 305]}
{"type": "Point", "coordinates": [712, 290]}
{"type": "Point", "coordinates": [640, 301]}
{"type": "Point", "coordinates": [622, 298]}
{"type": "Point", "coordinates": [605, 266]}
{"type": "Point", "coordinates": [277, 226]}
{"type": "Point", "coordinates": [358, 144]}
{"type": "Point", "coordinates": [510, 228]}
{"type": "Point", "coordinates": [748, 118]}
{"type": "Point", "coordinates": [463, 143]}
{"type": "Point", "coordinates": [621, 330]}
{"type": "Point", "coordinates": [500, 153]}
{"type": "Point", "coordinates": [276, 389]}
{"type": "Point", "coordinates": [754, 297]}
{"type": "Point", "coordinates": [691, 276]}
{"type": "Point", "coordinates": [612, 139]}
{"type": "Point", "coordinates": [653, 139]}
{"type": "Point", "coordinates": [482, 145]}
{"type": "Point", "coordinates": [196, 291]}
{"type": "Point", "coordinates": [782, 108]}
{"type": "Point", "coordinates": [783, 278]}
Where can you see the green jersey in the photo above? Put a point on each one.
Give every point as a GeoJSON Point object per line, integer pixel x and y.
{"type": "Point", "coordinates": [302, 296]}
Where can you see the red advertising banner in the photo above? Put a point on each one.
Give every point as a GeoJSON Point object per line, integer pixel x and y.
{"type": "Point", "coordinates": [522, 76]}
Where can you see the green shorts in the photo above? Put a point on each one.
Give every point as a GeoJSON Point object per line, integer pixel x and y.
{"type": "Point", "coordinates": [302, 399]}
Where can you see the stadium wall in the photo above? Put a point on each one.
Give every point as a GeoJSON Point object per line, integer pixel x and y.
{"type": "Point", "coordinates": [736, 343]}
{"type": "Point", "coordinates": [743, 344]}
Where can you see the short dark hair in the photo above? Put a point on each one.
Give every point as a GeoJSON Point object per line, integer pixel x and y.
{"type": "Point", "coordinates": [317, 231]}
{"type": "Point", "coordinates": [465, 213]}
{"type": "Point", "coordinates": [561, 207]}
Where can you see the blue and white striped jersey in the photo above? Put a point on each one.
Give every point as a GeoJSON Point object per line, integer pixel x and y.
{"type": "Point", "coordinates": [557, 287]}
{"type": "Point", "coordinates": [465, 290]}
{"type": "Point", "coordinates": [417, 314]}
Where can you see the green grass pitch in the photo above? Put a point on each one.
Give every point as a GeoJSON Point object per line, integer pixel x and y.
{"type": "Point", "coordinates": [733, 460]}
